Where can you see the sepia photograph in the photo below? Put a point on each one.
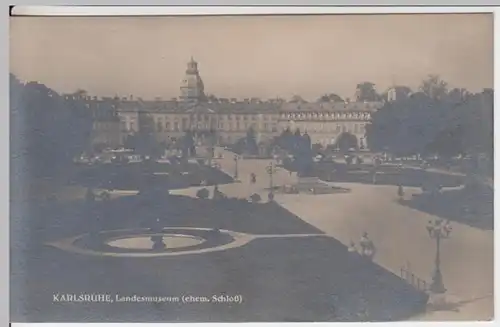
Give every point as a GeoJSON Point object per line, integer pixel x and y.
{"type": "Point", "coordinates": [252, 168]}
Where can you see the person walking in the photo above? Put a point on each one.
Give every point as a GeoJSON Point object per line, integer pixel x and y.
{"type": "Point", "coordinates": [253, 178]}
{"type": "Point", "coordinates": [447, 228]}
{"type": "Point", "coordinates": [367, 247]}
{"type": "Point", "coordinates": [401, 192]}
{"type": "Point", "coordinates": [430, 226]}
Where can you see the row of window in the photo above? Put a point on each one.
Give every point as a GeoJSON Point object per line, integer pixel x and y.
{"type": "Point", "coordinates": [228, 117]}
{"type": "Point", "coordinates": [355, 115]}
{"type": "Point", "coordinates": [358, 128]}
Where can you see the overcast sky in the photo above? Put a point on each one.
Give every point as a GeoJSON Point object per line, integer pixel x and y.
{"type": "Point", "coordinates": [254, 56]}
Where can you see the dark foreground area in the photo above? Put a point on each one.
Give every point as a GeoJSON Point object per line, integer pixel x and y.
{"type": "Point", "coordinates": [281, 279]}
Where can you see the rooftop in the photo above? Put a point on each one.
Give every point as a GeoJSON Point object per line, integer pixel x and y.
{"type": "Point", "coordinates": [244, 106]}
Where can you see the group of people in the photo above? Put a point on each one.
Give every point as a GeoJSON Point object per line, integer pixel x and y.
{"type": "Point", "coordinates": [366, 247]}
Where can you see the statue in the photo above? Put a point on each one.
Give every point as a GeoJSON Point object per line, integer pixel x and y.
{"type": "Point", "coordinates": [158, 243]}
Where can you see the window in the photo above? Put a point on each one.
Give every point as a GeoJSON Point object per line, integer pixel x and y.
{"type": "Point", "coordinates": [167, 126]}
{"type": "Point", "coordinates": [132, 126]}
{"type": "Point", "coordinates": [159, 126]}
{"type": "Point", "coordinates": [176, 126]}
{"type": "Point", "coordinates": [338, 128]}
{"type": "Point", "coordinates": [266, 126]}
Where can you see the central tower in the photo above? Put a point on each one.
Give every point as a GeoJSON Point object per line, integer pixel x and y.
{"type": "Point", "coordinates": [192, 89]}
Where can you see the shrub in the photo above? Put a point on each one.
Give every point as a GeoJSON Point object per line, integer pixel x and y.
{"type": "Point", "coordinates": [255, 198]}
{"type": "Point", "coordinates": [203, 193]}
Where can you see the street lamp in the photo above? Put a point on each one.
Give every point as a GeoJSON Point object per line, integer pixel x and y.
{"type": "Point", "coordinates": [235, 166]}
{"type": "Point", "coordinates": [438, 230]}
{"type": "Point", "coordinates": [270, 171]}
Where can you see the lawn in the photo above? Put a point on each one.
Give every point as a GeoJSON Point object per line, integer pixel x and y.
{"type": "Point", "coordinates": [280, 279]}
{"type": "Point", "coordinates": [470, 206]}
{"type": "Point", "coordinates": [134, 176]}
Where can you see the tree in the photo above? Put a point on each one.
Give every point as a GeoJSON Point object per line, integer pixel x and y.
{"type": "Point", "coordinates": [407, 127]}
{"type": "Point", "coordinates": [285, 140]}
{"type": "Point", "coordinates": [475, 116]}
{"type": "Point", "coordinates": [434, 122]}
{"type": "Point", "coordinates": [297, 99]}
{"type": "Point", "coordinates": [251, 142]}
{"type": "Point", "coordinates": [448, 143]}
{"type": "Point", "coordinates": [188, 144]}
{"type": "Point", "coordinates": [332, 97]}
{"type": "Point", "coordinates": [458, 95]}
{"type": "Point", "coordinates": [346, 141]}
{"type": "Point", "coordinates": [50, 130]}
{"type": "Point", "coordinates": [366, 92]}
{"type": "Point", "coordinates": [434, 87]}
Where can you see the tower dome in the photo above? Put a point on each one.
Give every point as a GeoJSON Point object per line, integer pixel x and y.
{"type": "Point", "coordinates": [192, 88]}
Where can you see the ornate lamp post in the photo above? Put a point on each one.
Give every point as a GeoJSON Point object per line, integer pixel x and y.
{"type": "Point", "coordinates": [270, 169]}
{"type": "Point", "coordinates": [236, 158]}
{"type": "Point", "coordinates": [437, 231]}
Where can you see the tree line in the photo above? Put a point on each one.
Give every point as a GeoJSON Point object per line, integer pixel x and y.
{"type": "Point", "coordinates": [435, 121]}
{"type": "Point", "coordinates": [47, 129]}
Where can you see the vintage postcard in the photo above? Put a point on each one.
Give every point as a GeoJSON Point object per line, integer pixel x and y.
{"type": "Point", "coordinates": [276, 168]}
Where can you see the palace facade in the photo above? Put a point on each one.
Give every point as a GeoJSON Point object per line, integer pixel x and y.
{"type": "Point", "coordinates": [231, 118]}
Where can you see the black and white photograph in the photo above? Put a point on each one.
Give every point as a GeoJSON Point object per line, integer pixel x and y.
{"type": "Point", "coordinates": [251, 168]}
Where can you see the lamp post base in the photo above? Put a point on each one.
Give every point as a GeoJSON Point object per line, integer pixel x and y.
{"type": "Point", "coordinates": [437, 285]}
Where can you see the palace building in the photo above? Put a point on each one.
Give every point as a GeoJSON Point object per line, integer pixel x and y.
{"type": "Point", "coordinates": [230, 119]}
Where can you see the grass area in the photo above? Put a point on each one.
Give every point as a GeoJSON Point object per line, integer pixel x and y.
{"type": "Point", "coordinates": [306, 279]}
{"type": "Point", "coordinates": [470, 206]}
{"type": "Point", "coordinates": [134, 176]}
{"type": "Point", "coordinates": [386, 175]}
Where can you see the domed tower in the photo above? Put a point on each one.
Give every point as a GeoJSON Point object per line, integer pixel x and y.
{"type": "Point", "coordinates": [192, 88]}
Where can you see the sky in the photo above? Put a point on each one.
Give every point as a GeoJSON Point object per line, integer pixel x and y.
{"type": "Point", "coordinates": [252, 56]}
